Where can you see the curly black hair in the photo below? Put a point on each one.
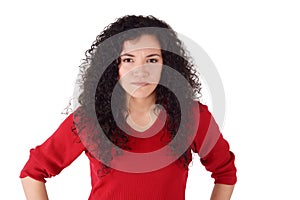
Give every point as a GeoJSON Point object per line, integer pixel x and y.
{"type": "Point", "coordinates": [99, 76]}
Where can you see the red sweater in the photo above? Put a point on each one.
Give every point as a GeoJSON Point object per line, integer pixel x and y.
{"type": "Point", "coordinates": [167, 183]}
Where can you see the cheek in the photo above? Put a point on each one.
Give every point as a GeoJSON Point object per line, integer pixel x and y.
{"type": "Point", "coordinates": [123, 75]}
{"type": "Point", "coordinates": [156, 72]}
{"type": "Point", "coordinates": [121, 72]}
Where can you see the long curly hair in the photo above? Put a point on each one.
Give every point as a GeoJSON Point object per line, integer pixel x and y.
{"type": "Point", "coordinates": [99, 76]}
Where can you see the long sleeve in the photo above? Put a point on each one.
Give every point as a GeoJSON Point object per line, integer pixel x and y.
{"type": "Point", "coordinates": [56, 153]}
{"type": "Point", "coordinates": [213, 149]}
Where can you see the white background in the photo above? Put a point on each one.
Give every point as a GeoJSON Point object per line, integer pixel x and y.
{"type": "Point", "coordinates": [254, 44]}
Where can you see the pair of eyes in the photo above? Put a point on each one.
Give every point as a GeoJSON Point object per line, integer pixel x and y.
{"type": "Point", "coordinates": [130, 60]}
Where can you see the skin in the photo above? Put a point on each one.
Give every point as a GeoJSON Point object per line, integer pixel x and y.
{"type": "Point", "coordinates": [33, 189]}
{"type": "Point", "coordinates": [141, 61]}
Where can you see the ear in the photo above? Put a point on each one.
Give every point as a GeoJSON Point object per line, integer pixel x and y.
{"type": "Point", "coordinates": [118, 61]}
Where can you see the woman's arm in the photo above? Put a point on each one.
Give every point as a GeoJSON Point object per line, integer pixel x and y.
{"type": "Point", "coordinates": [49, 159]}
{"type": "Point", "coordinates": [215, 155]}
{"type": "Point", "coordinates": [34, 189]}
{"type": "Point", "coordinates": [222, 192]}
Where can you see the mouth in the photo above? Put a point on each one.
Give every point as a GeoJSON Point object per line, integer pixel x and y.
{"type": "Point", "coordinates": [140, 84]}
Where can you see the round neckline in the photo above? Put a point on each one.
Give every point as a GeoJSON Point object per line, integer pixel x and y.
{"type": "Point", "coordinates": [141, 128]}
{"type": "Point", "coordinates": [157, 125]}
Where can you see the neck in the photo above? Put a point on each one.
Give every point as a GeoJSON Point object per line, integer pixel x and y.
{"type": "Point", "coordinates": [140, 105]}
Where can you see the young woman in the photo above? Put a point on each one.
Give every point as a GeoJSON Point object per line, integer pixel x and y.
{"type": "Point", "coordinates": [137, 120]}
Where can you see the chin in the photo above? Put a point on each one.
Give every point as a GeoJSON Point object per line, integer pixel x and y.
{"type": "Point", "coordinates": [142, 93]}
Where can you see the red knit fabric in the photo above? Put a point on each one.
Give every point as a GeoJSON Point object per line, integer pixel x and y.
{"type": "Point", "coordinates": [63, 147]}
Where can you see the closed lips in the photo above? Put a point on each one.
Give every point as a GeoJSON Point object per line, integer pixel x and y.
{"type": "Point", "coordinates": [140, 83]}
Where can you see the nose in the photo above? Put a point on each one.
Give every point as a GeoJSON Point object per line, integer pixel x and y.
{"type": "Point", "coordinates": [140, 71]}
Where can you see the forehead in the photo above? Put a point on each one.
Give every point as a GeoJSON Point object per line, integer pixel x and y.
{"type": "Point", "coordinates": [144, 42]}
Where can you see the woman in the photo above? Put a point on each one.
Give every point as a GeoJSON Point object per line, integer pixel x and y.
{"type": "Point", "coordinates": [137, 119]}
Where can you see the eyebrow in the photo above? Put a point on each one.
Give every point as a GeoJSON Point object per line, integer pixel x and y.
{"type": "Point", "coordinates": [130, 55]}
{"type": "Point", "coordinates": [151, 55]}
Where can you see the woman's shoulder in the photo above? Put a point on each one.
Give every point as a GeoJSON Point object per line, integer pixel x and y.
{"type": "Point", "coordinates": [201, 107]}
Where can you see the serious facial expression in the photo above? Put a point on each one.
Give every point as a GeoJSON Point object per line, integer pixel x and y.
{"type": "Point", "coordinates": [140, 66]}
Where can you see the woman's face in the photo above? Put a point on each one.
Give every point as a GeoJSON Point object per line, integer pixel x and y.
{"type": "Point", "coordinates": [140, 66]}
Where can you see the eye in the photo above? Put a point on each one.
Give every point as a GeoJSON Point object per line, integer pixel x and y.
{"type": "Point", "coordinates": [152, 60]}
{"type": "Point", "coordinates": [127, 60]}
